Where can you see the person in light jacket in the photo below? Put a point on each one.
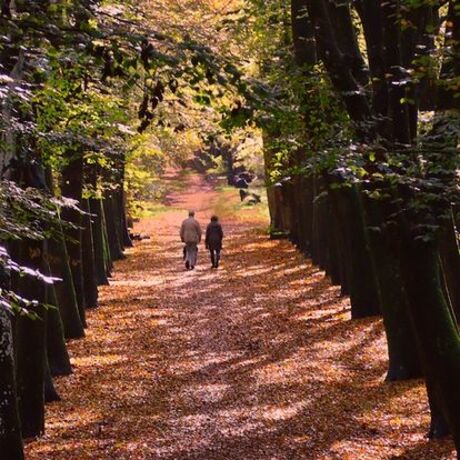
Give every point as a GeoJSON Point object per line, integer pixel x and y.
{"type": "Point", "coordinates": [190, 234]}
{"type": "Point", "coordinates": [214, 236]}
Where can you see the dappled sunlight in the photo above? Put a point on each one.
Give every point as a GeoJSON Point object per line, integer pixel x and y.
{"type": "Point", "coordinates": [256, 360]}
{"type": "Point", "coordinates": [102, 360]}
{"type": "Point", "coordinates": [283, 412]}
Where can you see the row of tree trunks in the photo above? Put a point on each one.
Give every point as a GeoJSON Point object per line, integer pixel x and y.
{"type": "Point", "coordinates": [330, 222]}
{"type": "Point", "coordinates": [386, 264]}
{"type": "Point", "coordinates": [34, 350]}
{"type": "Point", "coordinates": [342, 250]}
{"type": "Point", "coordinates": [349, 228]}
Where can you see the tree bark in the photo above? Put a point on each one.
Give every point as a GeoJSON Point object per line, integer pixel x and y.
{"type": "Point", "coordinates": [372, 20]}
{"type": "Point", "coordinates": [58, 356]}
{"type": "Point", "coordinates": [403, 359]}
{"type": "Point", "coordinates": [65, 289]}
{"type": "Point", "coordinates": [450, 256]}
{"type": "Point", "coordinates": [107, 255]}
{"type": "Point", "coordinates": [95, 206]}
{"type": "Point", "coordinates": [88, 258]}
{"type": "Point", "coordinates": [113, 229]}
{"type": "Point", "coordinates": [10, 432]}
{"type": "Point", "coordinates": [435, 329]}
{"type": "Point", "coordinates": [126, 238]}
{"type": "Point", "coordinates": [30, 343]}
{"type": "Point", "coordinates": [72, 187]}
{"type": "Point", "coordinates": [362, 282]}
{"type": "Point", "coordinates": [342, 241]}
{"type": "Point", "coordinates": [397, 78]}
{"type": "Point", "coordinates": [50, 392]}
{"type": "Point", "coordinates": [339, 68]}
{"type": "Point", "coordinates": [303, 34]}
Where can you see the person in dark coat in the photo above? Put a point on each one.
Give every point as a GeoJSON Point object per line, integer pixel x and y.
{"type": "Point", "coordinates": [214, 236]}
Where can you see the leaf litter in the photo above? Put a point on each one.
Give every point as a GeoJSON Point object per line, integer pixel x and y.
{"type": "Point", "coordinates": [258, 360]}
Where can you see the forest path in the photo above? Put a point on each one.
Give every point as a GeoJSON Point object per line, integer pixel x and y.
{"type": "Point", "coordinates": [257, 360]}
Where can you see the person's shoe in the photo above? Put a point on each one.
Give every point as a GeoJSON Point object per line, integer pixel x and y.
{"type": "Point", "coordinates": [187, 265]}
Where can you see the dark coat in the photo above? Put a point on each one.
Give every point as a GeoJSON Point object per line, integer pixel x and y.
{"type": "Point", "coordinates": [214, 236]}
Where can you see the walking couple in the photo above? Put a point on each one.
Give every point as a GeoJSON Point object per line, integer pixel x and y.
{"type": "Point", "coordinates": [190, 234]}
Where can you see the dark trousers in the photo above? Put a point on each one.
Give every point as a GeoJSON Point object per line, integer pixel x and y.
{"type": "Point", "coordinates": [215, 257]}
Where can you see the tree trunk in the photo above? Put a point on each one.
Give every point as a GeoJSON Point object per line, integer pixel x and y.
{"type": "Point", "coordinates": [88, 259]}
{"type": "Point", "coordinates": [107, 257]}
{"type": "Point", "coordinates": [320, 239]}
{"type": "Point", "coordinates": [58, 356]}
{"type": "Point", "coordinates": [371, 17]}
{"type": "Point", "coordinates": [95, 206]}
{"type": "Point", "coordinates": [126, 238]}
{"type": "Point", "coordinates": [10, 432]}
{"type": "Point", "coordinates": [294, 233]}
{"type": "Point", "coordinates": [309, 189]}
{"type": "Point", "coordinates": [333, 269]}
{"type": "Point", "coordinates": [435, 329]}
{"type": "Point", "coordinates": [273, 191]}
{"type": "Point", "coordinates": [112, 218]}
{"type": "Point", "coordinates": [30, 342]}
{"type": "Point", "coordinates": [404, 362]}
{"type": "Point", "coordinates": [50, 392]}
{"type": "Point", "coordinates": [65, 289]}
{"type": "Point", "coordinates": [450, 256]}
{"type": "Point", "coordinates": [363, 289]}
{"type": "Point", "coordinates": [304, 218]}
{"type": "Point", "coordinates": [396, 77]}
{"type": "Point", "coordinates": [325, 254]}
{"type": "Point", "coordinates": [303, 34]}
{"type": "Point", "coordinates": [342, 241]}
{"type": "Point", "coordinates": [341, 71]}
{"type": "Point", "coordinates": [72, 187]}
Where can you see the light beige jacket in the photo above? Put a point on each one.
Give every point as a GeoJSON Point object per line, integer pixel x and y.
{"type": "Point", "coordinates": [190, 231]}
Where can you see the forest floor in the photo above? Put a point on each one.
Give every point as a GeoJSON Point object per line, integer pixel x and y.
{"type": "Point", "coordinates": [257, 360]}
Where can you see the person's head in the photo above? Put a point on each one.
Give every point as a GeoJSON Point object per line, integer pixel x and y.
{"type": "Point", "coordinates": [214, 219]}
{"type": "Point", "coordinates": [191, 213]}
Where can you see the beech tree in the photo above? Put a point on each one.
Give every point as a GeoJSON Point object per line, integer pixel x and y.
{"type": "Point", "coordinates": [391, 188]}
{"type": "Point", "coordinates": [78, 81]}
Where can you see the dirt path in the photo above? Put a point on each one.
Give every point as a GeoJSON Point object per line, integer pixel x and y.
{"type": "Point", "coordinates": [255, 361]}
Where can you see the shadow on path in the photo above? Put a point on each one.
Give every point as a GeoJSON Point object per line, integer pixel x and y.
{"type": "Point", "coordinates": [258, 360]}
